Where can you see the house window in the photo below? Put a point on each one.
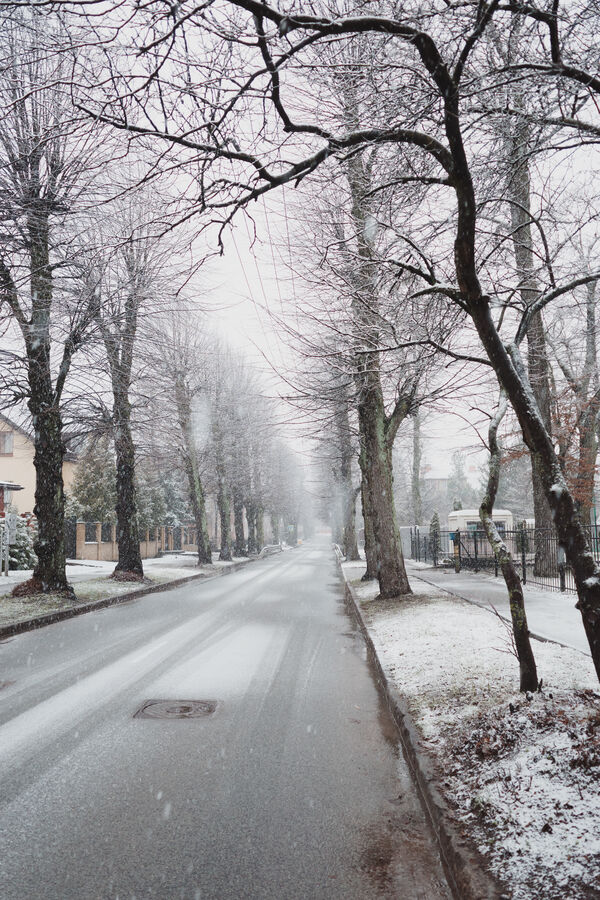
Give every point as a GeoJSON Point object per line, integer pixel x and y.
{"type": "Point", "coordinates": [6, 443]}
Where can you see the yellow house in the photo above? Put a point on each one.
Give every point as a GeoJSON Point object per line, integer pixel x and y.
{"type": "Point", "coordinates": [16, 464]}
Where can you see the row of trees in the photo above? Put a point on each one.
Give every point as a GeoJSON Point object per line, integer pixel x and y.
{"type": "Point", "coordinates": [446, 142]}
{"type": "Point", "coordinates": [101, 336]}
{"type": "Point", "coordinates": [442, 158]}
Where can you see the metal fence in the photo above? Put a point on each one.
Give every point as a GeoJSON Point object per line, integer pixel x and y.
{"type": "Point", "coordinates": [537, 555]}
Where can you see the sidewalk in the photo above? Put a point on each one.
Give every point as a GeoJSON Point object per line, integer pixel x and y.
{"type": "Point", "coordinates": [511, 781]}
{"type": "Point", "coordinates": [550, 614]}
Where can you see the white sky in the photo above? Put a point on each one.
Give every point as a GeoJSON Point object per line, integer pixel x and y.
{"type": "Point", "coordinates": [246, 283]}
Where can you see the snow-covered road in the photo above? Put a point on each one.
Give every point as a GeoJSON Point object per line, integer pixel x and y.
{"type": "Point", "coordinates": [292, 789]}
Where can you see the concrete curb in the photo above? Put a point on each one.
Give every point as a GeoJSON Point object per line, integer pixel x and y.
{"type": "Point", "coordinates": [464, 867]}
{"type": "Point", "coordinates": [70, 613]}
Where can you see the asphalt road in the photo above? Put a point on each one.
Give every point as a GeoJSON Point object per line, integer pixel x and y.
{"type": "Point", "coordinates": [292, 788]}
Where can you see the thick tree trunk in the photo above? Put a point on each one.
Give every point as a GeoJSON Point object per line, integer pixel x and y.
{"type": "Point", "coordinates": [224, 515]}
{"type": "Point", "coordinates": [195, 488]}
{"type": "Point", "coordinates": [239, 544]}
{"type": "Point", "coordinates": [198, 503]}
{"type": "Point", "coordinates": [49, 575]}
{"type": "Point", "coordinates": [527, 667]}
{"type": "Point", "coordinates": [128, 538]}
{"type": "Point", "coordinates": [251, 518]}
{"type": "Point", "coordinates": [571, 535]}
{"type": "Point", "coordinates": [348, 537]}
{"type": "Point", "coordinates": [260, 528]}
{"type": "Point", "coordinates": [350, 542]}
{"type": "Point", "coordinates": [223, 503]}
{"type": "Point", "coordinates": [374, 427]}
{"type": "Point", "coordinates": [586, 463]}
{"type": "Point", "coordinates": [539, 375]}
{"type": "Point", "coordinates": [537, 354]}
{"type": "Point", "coordinates": [377, 468]}
{"type": "Point", "coordinates": [417, 504]}
{"type": "Point", "coordinates": [370, 548]}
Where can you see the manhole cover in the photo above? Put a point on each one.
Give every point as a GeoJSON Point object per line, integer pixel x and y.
{"type": "Point", "coordinates": [175, 709]}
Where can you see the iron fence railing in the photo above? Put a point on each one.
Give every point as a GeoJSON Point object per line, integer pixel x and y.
{"type": "Point", "coordinates": [537, 555]}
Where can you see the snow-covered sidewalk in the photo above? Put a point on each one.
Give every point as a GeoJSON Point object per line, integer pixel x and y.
{"type": "Point", "coordinates": [550, 614]}
{"type": "Point", "coordinates": [521, 774]}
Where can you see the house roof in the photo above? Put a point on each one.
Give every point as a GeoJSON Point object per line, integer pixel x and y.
{"type": "Point", "coordinates": [69, 456]}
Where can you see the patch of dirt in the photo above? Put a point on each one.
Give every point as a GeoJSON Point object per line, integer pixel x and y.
{"type": "Point", "coordinates": [530, 772]}
{"type": "Point", "coordinates": [377, 605]}
{"type": "Point", "coordinates": [130, 576]}
{"type": "Point", "coordinates": [34, 588]}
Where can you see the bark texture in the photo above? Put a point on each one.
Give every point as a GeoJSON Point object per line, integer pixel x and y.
{"type": "Point", "coordinates": [119, 333]}
{"type": "Point", "coordinates": [345, 451]}
{"type": "Point", "coordinates": [527, 667]}
{"type": "Point", "coordinates": [183, 402]}
{"type": "Point", "coordinates": [417, 503]}
{"type": "Point", "coordinates": [377, 430]}
{"type": "Point", "coordinates": [370, 550]}
{"type": "Point", "coordinates": [538, 364]}
{"type": "Point", "coordinates": [239, 543]}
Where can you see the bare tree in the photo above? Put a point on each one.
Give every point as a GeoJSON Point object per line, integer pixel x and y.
{"type": "Point", "coordinates": [44, 166]}
{"type": "Point", "coordinates": [442, 49]}
{"type": "Point", "coordinates": [528, 680]}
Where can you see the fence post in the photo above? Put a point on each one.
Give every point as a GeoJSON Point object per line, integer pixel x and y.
{"type": "Point", "coordinates": [456, 543]}
{"type": "Point", "coordinates": [524, 554]}
{"type": "Point", "coordinates": [418, 539]}
{"type": "Point", "coordinates": [561, 568]}
{"type": "Point", "coordinates": [475, 550]}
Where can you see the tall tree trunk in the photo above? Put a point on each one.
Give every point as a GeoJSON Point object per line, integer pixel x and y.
{"type": "Point", "coordinates": [527, 667]}
{"type": "Point", "coordinates": [239, 544]}
{"type": "Point", "coordinates": [571, 535]}
{"type": "Point", "coordinates": [391, 572]}
{"type": "Point", "coordinates": [587, 392]}
{"type": "Point", "coordinates": [370, 548]}
{"type": "Point", "coordinates": [586, 463]}
{"type": "Point", "coordinates": [260, 528]}
{"type": "Point", "coordinates": [198, 503]}
{"type": "Point", "coordinates": [251, 518]}
{"type": "Point", "coordinates": [225, 521]}
{"type": "Point", "coordinates": [417, 504]}
{"type": "Point", "coordinates": [128, 538]}
{"type": "Point", "coordinates": [376, 435]}
{"type": "Point", "coordinates": [183, 402]}
{"type": "Point", "coordinates": [350, 540]}
{"type": "Point", "coordinates": [49, 574]}
{"type": "Point", "coordinates": [537, 354]}
{"type": "Point", "coordinates": [349, 543]}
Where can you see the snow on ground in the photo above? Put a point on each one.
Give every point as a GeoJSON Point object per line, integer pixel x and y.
{"type": "Point", "coordinates": [522, 773]}
{"type": "Point", "coordinates": [92, 582]}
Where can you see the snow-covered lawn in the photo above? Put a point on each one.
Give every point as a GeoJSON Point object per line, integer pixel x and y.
{"type": "Point", "coordinates": [521, 772]}
{"type": "Point", "coordinates": [92, 582]}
